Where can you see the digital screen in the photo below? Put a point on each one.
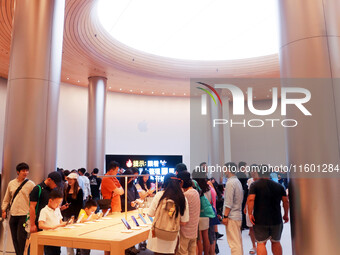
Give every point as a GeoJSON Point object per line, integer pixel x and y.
{"type": "Point", "coordinates": [165, 170]}
{"type": "Point", "coordinates": [155, 164]}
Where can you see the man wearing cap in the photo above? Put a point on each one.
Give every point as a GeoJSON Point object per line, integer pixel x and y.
{"type": "Point", "coordinates": [53, 180]}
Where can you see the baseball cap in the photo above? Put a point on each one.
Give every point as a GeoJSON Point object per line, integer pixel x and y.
{"type": "Point", "coordinates": [72, 176]}
{"type": "Point", "coordinates": [56, 177]}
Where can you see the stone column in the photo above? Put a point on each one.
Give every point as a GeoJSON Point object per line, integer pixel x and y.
{"type": "Point", "coordinates": [310, 48]}
{"type": "Point", "coordinates": [33, 89]}
{"type": "Point", "coordinates": [96, 124]}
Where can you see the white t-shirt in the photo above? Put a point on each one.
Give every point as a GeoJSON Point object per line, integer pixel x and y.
{"type": "Point", "coordinates": [87, 186]}
{"type": "Point", "coordinates": [158, 245]}
{"type": "Point", "coordinates": [50, 217]}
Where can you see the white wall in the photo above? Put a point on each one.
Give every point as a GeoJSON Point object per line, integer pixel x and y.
{"type": "Point", "coordinates": [148, 125]}
{"type": "Point", "coordinates": [72, 127]}
{"type": "Point", "coordinates": [135, 124]}
{"type": "Point", "coordinates": [258, 145]}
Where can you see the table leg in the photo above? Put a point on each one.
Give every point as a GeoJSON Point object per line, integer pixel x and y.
{"type": "Point", "coordinates": [117, 250]}
{"type": "Point", "coordinates": [36, 249]}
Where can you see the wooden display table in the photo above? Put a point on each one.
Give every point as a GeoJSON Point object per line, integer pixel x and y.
{"type": "Point", "coordinates": [101, 235]}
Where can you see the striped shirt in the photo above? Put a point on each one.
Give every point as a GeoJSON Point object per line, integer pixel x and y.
{"type": "Point", "coordinates": [190, 229]}
{"type": "Point", "coordinates": [233, 197]}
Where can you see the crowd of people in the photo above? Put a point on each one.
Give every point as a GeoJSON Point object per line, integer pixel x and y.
{"type": "Point", "coordinates": [187, 208]}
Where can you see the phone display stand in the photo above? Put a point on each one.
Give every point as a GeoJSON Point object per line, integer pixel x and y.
{"type": "Point", "coordinates": [143, 225]}
{"type": "Point", "coordinates": [79, 224]}
{"type": "Point", "coordinates": [69, 227]}
{"type": "Point", "coordinates": [136, 228]}
{"type": "Point", "coordinates": [126, 231]}
{"type": "Point", "coordinates": [89, 222]}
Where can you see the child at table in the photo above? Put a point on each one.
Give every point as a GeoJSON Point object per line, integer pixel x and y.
{"type": "Point", "coordinates": [50, 218]}
{"type": "Point", "coordinates": [90, 208]}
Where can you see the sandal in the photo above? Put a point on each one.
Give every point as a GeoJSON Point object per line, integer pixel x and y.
{"type": "Point", "coordinates": [252, 251]}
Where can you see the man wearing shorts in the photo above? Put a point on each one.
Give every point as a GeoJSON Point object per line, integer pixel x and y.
{"type": "Point", "coordinates": [265, 212]}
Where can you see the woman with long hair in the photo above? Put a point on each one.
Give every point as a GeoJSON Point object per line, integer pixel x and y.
{"type": "Point", "coordinates": [144, 187]}
{"type": "Point", "coordinates": [204, 221]}
{"type": "Point", "coordinates": [172, 191]}
{"type": "Point", "coordinates": [73, 201]}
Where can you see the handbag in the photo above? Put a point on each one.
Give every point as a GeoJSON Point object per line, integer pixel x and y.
{"type": "Point", "coordinates": [214, 221]}
{"type": "Point", "coordinates": [206, 208]}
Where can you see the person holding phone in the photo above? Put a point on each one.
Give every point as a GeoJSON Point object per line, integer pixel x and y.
{"type": "Point", "coordinates": [144, 188]}
{"type": "Point", "coordinates": [73, 201]}
{"type": "Point", "coordinates": [84, 214]}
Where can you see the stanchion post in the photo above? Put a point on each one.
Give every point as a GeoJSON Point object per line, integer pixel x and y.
{"type": "Point", "coordinates": [126, 184]}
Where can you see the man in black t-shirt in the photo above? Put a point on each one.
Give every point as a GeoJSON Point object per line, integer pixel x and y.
{"type": "Point", "coordinates": [53, 180]}
{"type": "Point", "coordinates": [95, 184]}
{"type": "Point", "coordinates": [265, 212]}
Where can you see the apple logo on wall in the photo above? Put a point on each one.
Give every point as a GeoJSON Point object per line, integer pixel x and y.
{"type": "Point", "coordinates": [143, 126]}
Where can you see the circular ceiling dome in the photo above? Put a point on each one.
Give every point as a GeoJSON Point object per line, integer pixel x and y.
{"type": "Point", "coordinates": [194, 29]}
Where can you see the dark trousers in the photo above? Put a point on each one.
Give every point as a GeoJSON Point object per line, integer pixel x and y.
{"type": "Point", "coordinates": [18, 233]}
{"type": "Point", "coordinates": [51, 250]}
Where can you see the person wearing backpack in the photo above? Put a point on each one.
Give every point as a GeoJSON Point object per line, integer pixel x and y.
{"type": "Point", "coordinates": [170, 209]}
{"type": "Point", "coordinates": [16, 205]}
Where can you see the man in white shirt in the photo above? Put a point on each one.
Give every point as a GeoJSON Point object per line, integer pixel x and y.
{"type": "Point", "coordinates": [18, 206]}
{"type": "Point", "coordinates": [86, 181]}
{"type": "Point", "coordinates": [232, 209]}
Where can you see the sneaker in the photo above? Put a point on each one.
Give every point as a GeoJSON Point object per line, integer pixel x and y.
{"type": "Point", "coordinates": [134, 250]}
{"type": "Point", "coordinates": [218, 235]}
{"type": "Point", "coordinates": [142, 246]}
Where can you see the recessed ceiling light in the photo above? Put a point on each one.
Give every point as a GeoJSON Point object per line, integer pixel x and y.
{"type": "Point", "coordinates": [270, 90]}
{"type": "Point", "coordinates": [174, 93]}
{"type": "Point", "coordinates": [130, 90]}
{"type": "Point", "coordinates": [141, 92]}
{"type": "Point", "coordinates": [78, 80]}
{"type": "Point", "coordinates": [109, 87]}
{"type": "Point", "coordinates": [120, 89]}
{"type": "Point", "coordinates": [254, 96]}
{"type": "Point", "coordinates": [185, 94]}
{"type": "Point", "coordinates": [67, 78]}
{"type": "Point", "coordinates": [152, 92]}
{"type": "Point", "coordinates": [162, 93]}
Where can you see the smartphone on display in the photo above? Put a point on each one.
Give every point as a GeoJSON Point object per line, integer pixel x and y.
{"type": "Point", "coordinates": [135, 221]}
{"type": "Point", "coordinates": [126, 223]}
{"type": "Point", "coordinates": [89, 218]}
{"type": "Point", "coordinates": [142, 218]}
{"type": "Point", "coordinates": [107, 212]}
{"type": "Point", "coordinates": [151, 219]}
{"type": "Point", "coordinates": [80, 218]}
{"type": "Point", "coordinates": [99, 214]}
{"type": "Point", "coordinates": [71, 220]}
